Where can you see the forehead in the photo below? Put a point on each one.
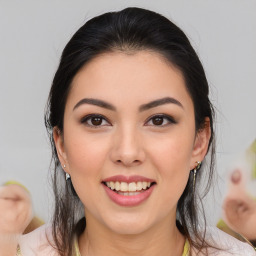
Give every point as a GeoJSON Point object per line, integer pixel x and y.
{"type": "Point", "coordinates": [119, 76]}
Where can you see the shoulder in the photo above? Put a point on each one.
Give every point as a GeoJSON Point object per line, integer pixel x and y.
{"type": "Point", "coordinates": [228, 245]}
{"type": "Point", "coordinates": [38, 242]}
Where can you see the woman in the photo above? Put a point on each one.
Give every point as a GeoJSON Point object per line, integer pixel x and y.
{"type": "Point", "coordinates": [130, 122]}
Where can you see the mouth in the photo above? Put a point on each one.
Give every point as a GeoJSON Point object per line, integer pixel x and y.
{"type": "Point", "coordinates": [128, 189]}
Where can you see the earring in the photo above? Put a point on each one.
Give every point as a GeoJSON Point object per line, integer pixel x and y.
{"type": "Point", "coordinates": [67, 176]}
{"type": "Point", "coordinates": [194, 172]}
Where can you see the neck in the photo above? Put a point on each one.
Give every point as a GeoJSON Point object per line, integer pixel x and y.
{"type": "Point", "coordinates": [163, 239]}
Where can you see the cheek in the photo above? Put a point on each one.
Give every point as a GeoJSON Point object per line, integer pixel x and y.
{"type": "Point", "coordinates": [172, 154]}
{"type": "Point", "coordinates": [171, 158]}
{"type": "Point", "coordinates": [85, 157]}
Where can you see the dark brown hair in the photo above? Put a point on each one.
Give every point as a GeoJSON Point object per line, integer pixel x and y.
{"type": "Point", "coordinates": [132, 29]}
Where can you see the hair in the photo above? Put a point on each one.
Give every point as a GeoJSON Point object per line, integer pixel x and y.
{"type": "Point", "coordinates": [129, 31]}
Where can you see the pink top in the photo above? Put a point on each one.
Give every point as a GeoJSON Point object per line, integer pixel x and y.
{"type": "Point", "coordinates": [37, 244]}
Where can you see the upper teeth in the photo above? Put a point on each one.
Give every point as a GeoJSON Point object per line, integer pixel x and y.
{"type": "Point", "coordinates": [124, 186]}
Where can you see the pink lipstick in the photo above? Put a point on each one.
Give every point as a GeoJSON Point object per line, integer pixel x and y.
{"type": "Point", "coordinates": [128, 190]}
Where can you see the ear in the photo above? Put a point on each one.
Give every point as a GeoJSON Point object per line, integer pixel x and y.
{"type": "Point", "coordinates": [201, 143]}
{"type": "Point", "coordinates": [59, 144]}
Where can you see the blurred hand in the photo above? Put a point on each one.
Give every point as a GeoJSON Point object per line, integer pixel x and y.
{"type": "Point", "coordinates": [241, 215]}
{"type": "Point", "coordinates": [240, 208]}
{"type": "Point", "coordinates": [15, 210]}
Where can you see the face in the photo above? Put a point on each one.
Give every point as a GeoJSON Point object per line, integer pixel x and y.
{"type": "Point", "coordinates": [129, 140]}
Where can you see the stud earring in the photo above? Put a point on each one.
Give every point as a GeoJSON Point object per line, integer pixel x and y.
{"type": "Point", "coordinates": [64, 166]}
{"type": "Point", "coordinates": [197, 167]}
{"type": "Point", "coordinates": [67, 176]}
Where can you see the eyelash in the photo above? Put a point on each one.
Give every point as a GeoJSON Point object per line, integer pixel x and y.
{"type": "Point", "coordinates": [85, 120]}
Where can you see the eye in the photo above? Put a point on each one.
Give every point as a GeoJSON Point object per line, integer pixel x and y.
{"type": "Point", "coordinates": [95, 121]}
{"type": "Point", "coordinates": [161, 120]}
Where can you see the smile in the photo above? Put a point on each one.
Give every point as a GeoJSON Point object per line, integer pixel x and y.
{"type": "Point", "coordinates": [128, 191]}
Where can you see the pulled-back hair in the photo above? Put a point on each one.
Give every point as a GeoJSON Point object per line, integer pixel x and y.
{"type": "Point", "coordinates": [129, 31]}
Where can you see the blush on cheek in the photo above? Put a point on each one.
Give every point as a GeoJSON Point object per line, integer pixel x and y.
{"type": "Point", "coordinates": [84, 153]}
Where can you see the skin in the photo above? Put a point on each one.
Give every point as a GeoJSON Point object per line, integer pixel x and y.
{"type": "Point", "coordinates": [240, 208]}
{"type": "Point", "coordinates": [129, 143]}
{"type": "Point", "coordinates": [16, 214]}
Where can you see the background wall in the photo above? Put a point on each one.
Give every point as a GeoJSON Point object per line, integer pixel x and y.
{"type": "Point", "coordinates": [33, 34]}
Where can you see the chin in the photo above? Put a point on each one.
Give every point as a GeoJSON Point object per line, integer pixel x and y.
{"type": "Point", "coordinates": [129, 225]}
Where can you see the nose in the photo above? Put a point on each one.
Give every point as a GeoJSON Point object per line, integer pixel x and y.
{"type": "Point", "coordinates": [127, 147]}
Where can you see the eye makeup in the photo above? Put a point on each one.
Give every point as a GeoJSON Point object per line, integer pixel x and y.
{"type": "Point", "coordinates": [98, 120]}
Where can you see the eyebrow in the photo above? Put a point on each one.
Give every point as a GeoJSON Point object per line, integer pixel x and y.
{"type": "Point", "coordinates": [144, 107]}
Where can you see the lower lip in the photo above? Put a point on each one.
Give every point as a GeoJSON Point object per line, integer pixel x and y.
{"type": "Point", "coordinates": [128, 200]}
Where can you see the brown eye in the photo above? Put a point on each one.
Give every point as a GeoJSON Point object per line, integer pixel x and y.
{"type": "Point", "coordinates": [161, 120]}
{"type": "Point", "coordinates": [158, 120]}
{"type": "Point", "coordinates": [95, 121]}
